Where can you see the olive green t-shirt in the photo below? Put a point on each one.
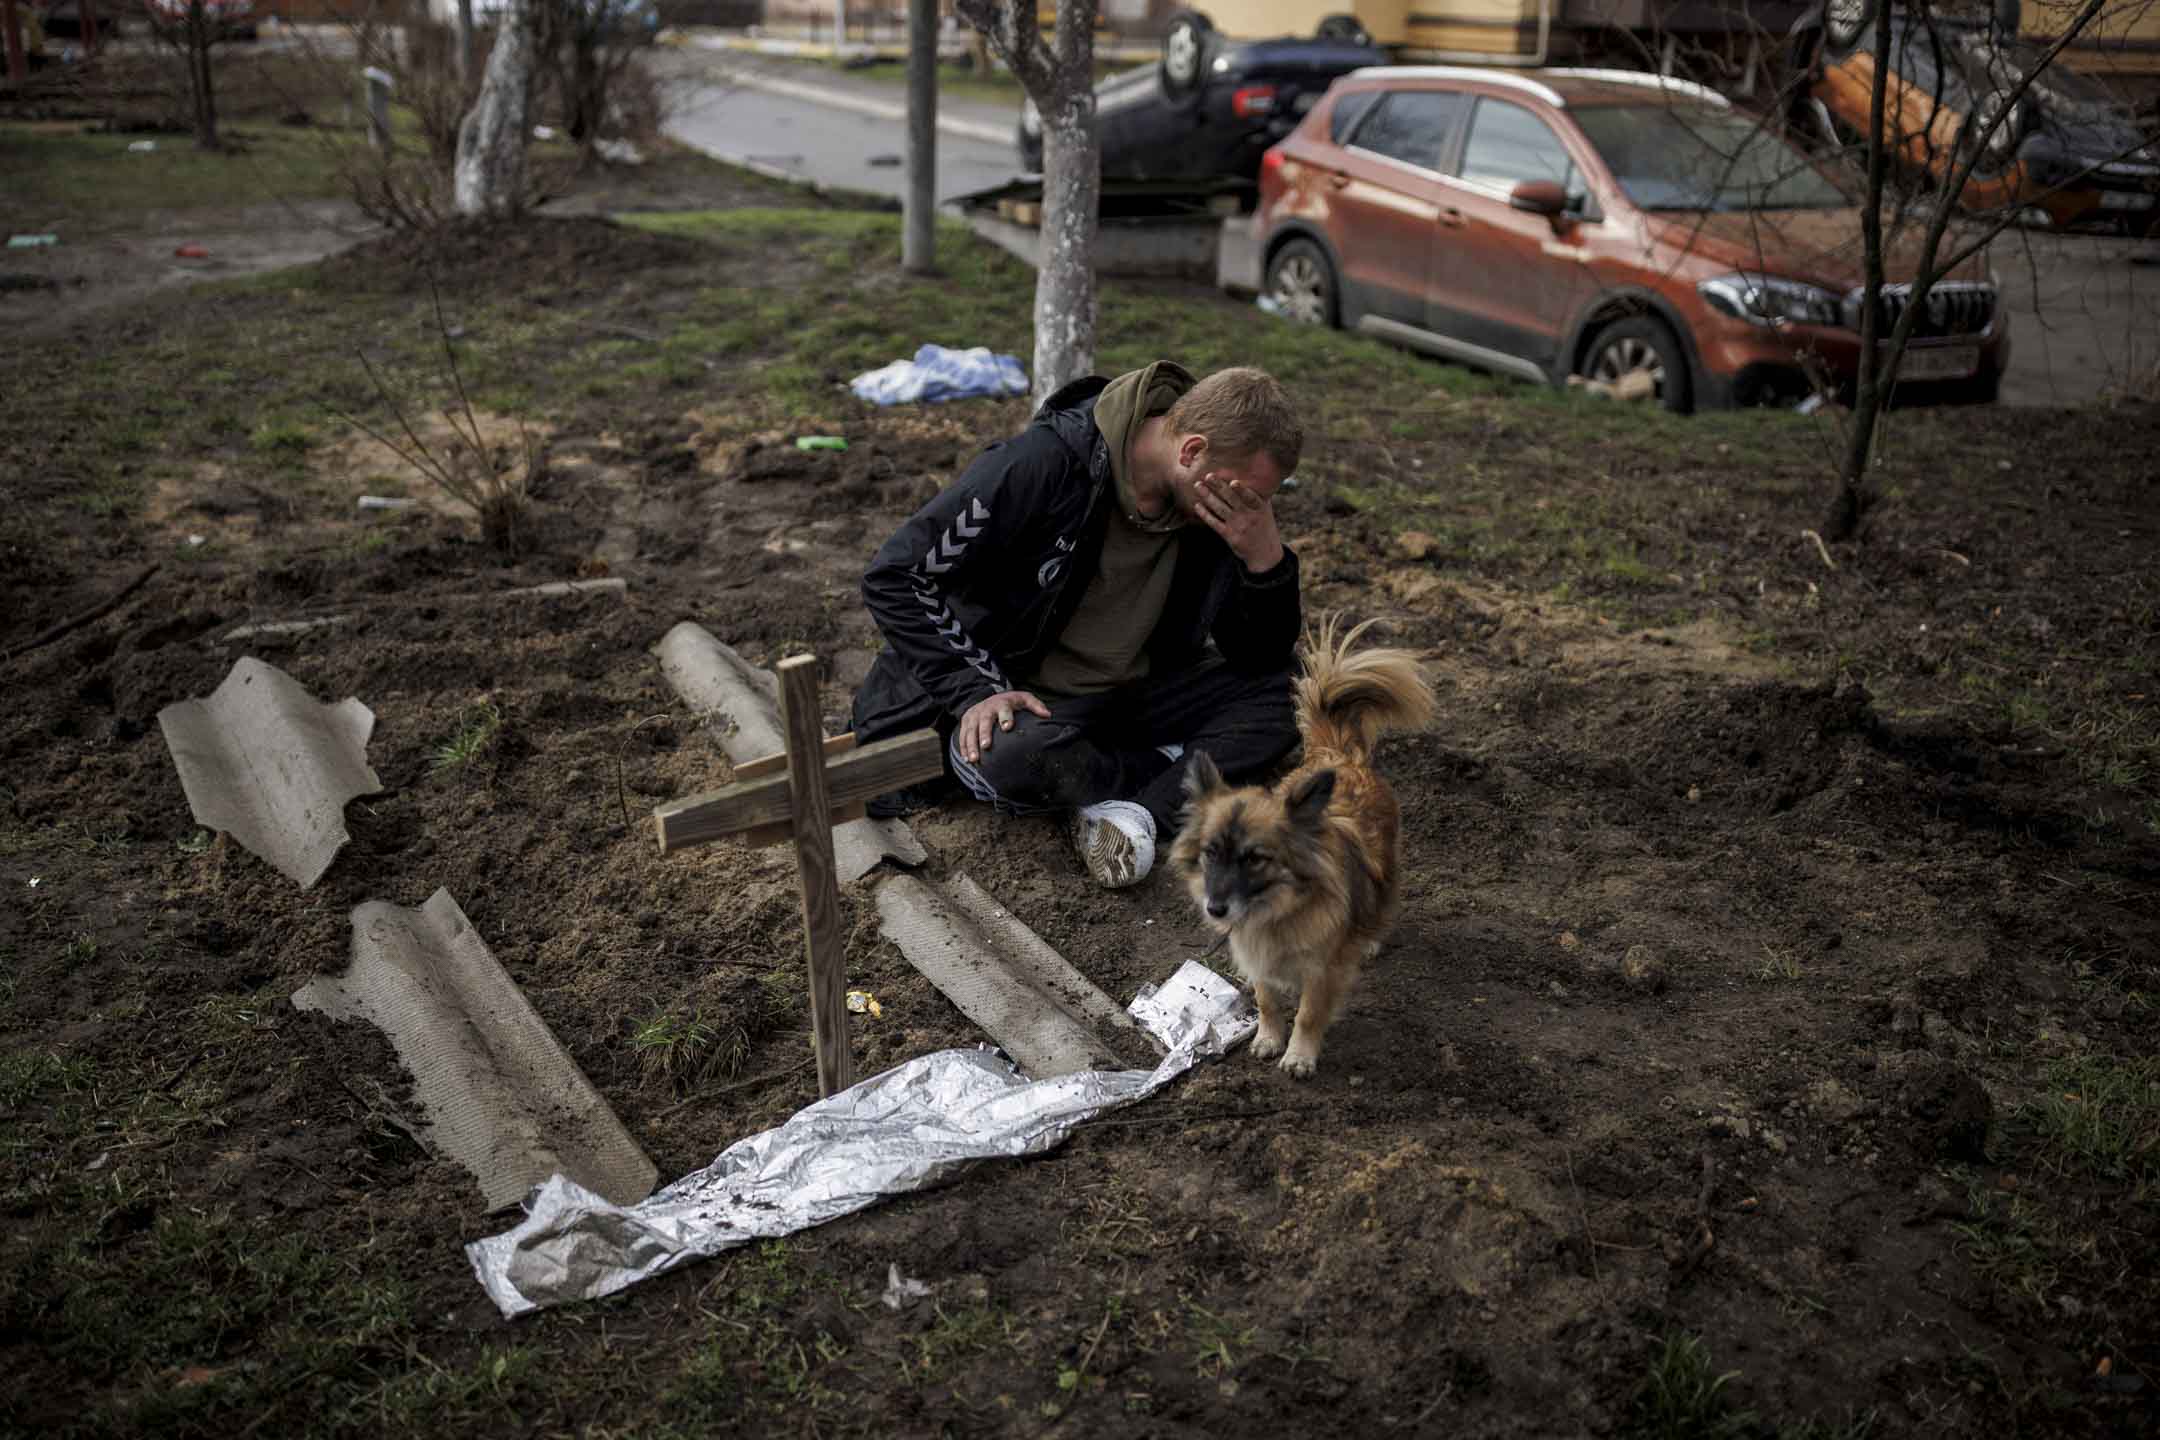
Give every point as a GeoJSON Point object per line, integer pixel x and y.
{"type": "Point", "coordinates": [1104, 644]}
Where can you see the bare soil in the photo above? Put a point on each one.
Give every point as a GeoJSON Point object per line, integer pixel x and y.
{"type": "Point", "coordinates": [1721, 1001]}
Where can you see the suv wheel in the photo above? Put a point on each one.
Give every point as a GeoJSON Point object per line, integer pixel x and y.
{"type": "Point", "coordinates": [1344, 28]}
{"type": "Point", "coordinates": [1302, 282]}
{"type": "Point", "coordinates": [1641, 342]}
{"type": "Point", "coordinates": [1186, 48]}
{"type": "Point", "coordinates": [1846, 22]}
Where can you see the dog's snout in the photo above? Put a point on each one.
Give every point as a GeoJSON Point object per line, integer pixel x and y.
{"type": "Point", "coordinates": [1216, 909]}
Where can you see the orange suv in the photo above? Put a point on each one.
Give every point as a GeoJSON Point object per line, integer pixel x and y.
{"type": "Point", "coordinates": [1545, 223]}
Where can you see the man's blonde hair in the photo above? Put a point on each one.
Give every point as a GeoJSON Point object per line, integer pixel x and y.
{"type": "Point", "coordinates": [1241, 412]}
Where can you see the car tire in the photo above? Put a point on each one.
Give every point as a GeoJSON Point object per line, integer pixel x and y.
{"type": "Point", "coordinates": [1847, 22]}
{"type": "Point", "coordinates": [1301, 281]}
{"type": "Point", "coordinates": [1347, 29]}
{"type": "Point", "coordinates": [1188, 48]}
{"type": "Point", "coordinates": [1637, 342]}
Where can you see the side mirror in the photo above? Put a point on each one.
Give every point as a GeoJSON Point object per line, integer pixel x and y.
{"type": "Point", "coordinates": [1540, 197]}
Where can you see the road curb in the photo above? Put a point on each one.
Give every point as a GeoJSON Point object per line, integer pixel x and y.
{"type": "Point", "coordinates": [859, 104]}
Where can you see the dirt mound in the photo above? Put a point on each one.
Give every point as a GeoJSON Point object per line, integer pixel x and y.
{"type": "Point", "coordinates": [561, 258]}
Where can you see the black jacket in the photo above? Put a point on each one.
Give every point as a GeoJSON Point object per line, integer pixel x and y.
{"type": "Point", "coordinates": [974, 588]}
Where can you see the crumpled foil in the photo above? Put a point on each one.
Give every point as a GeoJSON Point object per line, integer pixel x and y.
{"type": "Point", "coordinates": [908, 1129]}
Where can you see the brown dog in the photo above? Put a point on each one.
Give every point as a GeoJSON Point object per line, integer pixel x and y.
{"type": "Point", "coordinates": [1303, 877]}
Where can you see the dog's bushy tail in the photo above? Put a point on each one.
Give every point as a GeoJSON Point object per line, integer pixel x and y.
{"type": "Point", "coordinates": [1348, 698]}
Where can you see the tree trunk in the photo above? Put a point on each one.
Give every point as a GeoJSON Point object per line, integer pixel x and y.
{"type": "Point", "coordinates": [1062, 85]}
{"type": "Point", "coordinates": [1854, 497]}
{"type": "Point", "coordinates": [1065, 278]}
{"type": "Point", "coordinates": [490, 175]}
{"type": "Point", "coordinates": [200, 38]}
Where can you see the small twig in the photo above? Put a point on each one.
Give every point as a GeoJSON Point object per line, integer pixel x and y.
{"type": "Point", "coordinates": [1583, 1210]}
{"type": "Point", "coordinates": [764, 1079]}
{"type": "Point", "coordinates": [622, 796]}
{"type": "Point", "coordinates": [1952, 554]}
{"type": "Point", "coordinates": [1820, 548]}
{"type": "Point", "coordinates": [74, 622]}
{"type": "Point", "coordinates": [1684, 1261]}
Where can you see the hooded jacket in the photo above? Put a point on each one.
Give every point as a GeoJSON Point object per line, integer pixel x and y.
{"type": "Point", "coordinates": [974, 587]}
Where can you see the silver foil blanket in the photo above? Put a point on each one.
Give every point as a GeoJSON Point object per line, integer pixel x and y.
{"type": "Point", "coordinates": [910, 1128]}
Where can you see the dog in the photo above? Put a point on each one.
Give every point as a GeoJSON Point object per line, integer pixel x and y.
{"type": "Point", "coordinates": [1304, 878]}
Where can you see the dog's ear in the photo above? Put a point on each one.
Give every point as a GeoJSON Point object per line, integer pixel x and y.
{"type": "Point", "coordinates": [1309, 801]}
{"type": "Point", "coordinates": [1202, 778]}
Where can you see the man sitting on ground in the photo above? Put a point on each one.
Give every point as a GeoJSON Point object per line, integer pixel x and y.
{"type": "Point", "coordinates": [1091, 598]}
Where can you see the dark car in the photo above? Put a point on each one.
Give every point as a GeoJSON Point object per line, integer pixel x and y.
{"type": "Point", "coordinates": [1208, 109]}
{"type": "Point", "coordinates": [2066, 151]}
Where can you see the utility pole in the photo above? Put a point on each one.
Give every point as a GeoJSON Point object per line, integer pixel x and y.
{"type": "Point", "coordinates": [918, 248]}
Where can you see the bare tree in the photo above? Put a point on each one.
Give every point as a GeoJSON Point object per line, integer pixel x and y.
{"type": "Point", "coordinates": [1061, 82]}
{"type": "Point", "coordinates": [490, 176]}
{"type": "Point", "coordinates": [1975, 139]}
{"type": "Point", "coordinates": [192, 30]}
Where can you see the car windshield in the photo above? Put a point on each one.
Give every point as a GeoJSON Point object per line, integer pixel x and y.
{"type": "Point", "coordinates": [1690, 157]}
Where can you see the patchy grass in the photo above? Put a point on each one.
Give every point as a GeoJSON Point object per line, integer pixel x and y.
{"type": "Point", "coordinates": [80, 181]}
{"type": "Point", "coordinates": [1683, 1398]}
{"type": "Point", "coordinates": [2101, 1116]}
{"type": "Point", "coordinates": [482, 723]}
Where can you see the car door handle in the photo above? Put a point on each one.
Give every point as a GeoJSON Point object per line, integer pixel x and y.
{"type": "Point", "coordinates": [1451, 216]}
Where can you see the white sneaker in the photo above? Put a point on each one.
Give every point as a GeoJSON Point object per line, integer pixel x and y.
{"type": "Point", "coordinates": [1116, 840]}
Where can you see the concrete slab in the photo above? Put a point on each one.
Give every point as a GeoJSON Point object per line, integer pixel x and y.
{"type": "Point", "coordinates": [999, 974]}
{"type": "Point", "coordinates": [264, 762]}
{"type": "Point", "coordinates": [503, 1098]}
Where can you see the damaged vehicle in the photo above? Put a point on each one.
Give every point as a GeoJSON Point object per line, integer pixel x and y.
{"type": "Point", "coordinates": [2063, 151]}
{"type": "Point", "coordinates": [1208, 109]}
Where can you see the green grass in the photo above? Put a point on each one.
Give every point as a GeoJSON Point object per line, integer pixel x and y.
{"type": "Point", "coordinates": [73, 181]}
{"type": "Point", "coordinates": [482, 722]}
{"type": "Point", "coordinates": [1682, 1397]}
{"type": "Point", "coordinates": [2100, 1116]}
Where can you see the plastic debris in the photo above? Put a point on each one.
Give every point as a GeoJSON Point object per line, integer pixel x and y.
{"type": "Point", "coordinates": [195, 540]}
{"type": "Point", "coordinates": [386, 502]}
{"type": "Point", "coordinates": [862, 1002]}
{"type": "Point", "coordinates": [192, 252]}
{"type": "Point", "coordinates": [912, 1127]}
{"type": "Point", "coordinates": [901, 1292]}
{"type": "Point", "coordinates": [31, 242]}
{"type": "Point", "coordinates": [143, 147]}
{"type": "Point", "coordinates": [820, 442]}
{"type": "Point", "coordinates": [1269, 305]}
{"type": "Point", "coordinates": [543, 132]}
{"type": "Point", "coordinates": [618, 152]}
{"type": "Point", "coordinates": [938, 374]}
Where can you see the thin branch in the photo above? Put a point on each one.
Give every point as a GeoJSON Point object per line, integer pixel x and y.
{"type": "Point", "coordinates": [77, 621]}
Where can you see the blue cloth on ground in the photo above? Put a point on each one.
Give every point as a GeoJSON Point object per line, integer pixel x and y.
{"type": "Point", "coordinates": [937, 374]}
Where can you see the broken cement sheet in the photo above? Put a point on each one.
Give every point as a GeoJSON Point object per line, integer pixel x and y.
{"type": "Point", "coordinates": [714, 680]}
{"type": "Point", "coordinates": [262, 761]}
{"type": "Point", "coordinates": [1001, 975]}
{"type": "Point", "coordinates": [910, 1128]}
{"type": "Point", "coordinates": [503, 1098]}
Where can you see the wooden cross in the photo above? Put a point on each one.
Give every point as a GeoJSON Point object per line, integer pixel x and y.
{"type": "Point", "coordinates": [800, 794]}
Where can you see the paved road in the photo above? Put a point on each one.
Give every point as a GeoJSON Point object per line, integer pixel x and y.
{"type": "Point", "coordinates": [832, 131]}
{"type": "Point", "coordinates": [2085, 317]}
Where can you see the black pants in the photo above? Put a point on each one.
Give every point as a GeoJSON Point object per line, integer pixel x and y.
{"type": "Point", "coordinates": [1103, 747]}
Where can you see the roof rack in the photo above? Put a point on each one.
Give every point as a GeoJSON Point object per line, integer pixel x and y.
{"type": "Point", "coordinates": [1464, 72]}
{"type": "Point", "coordinates": [1644, 77]}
